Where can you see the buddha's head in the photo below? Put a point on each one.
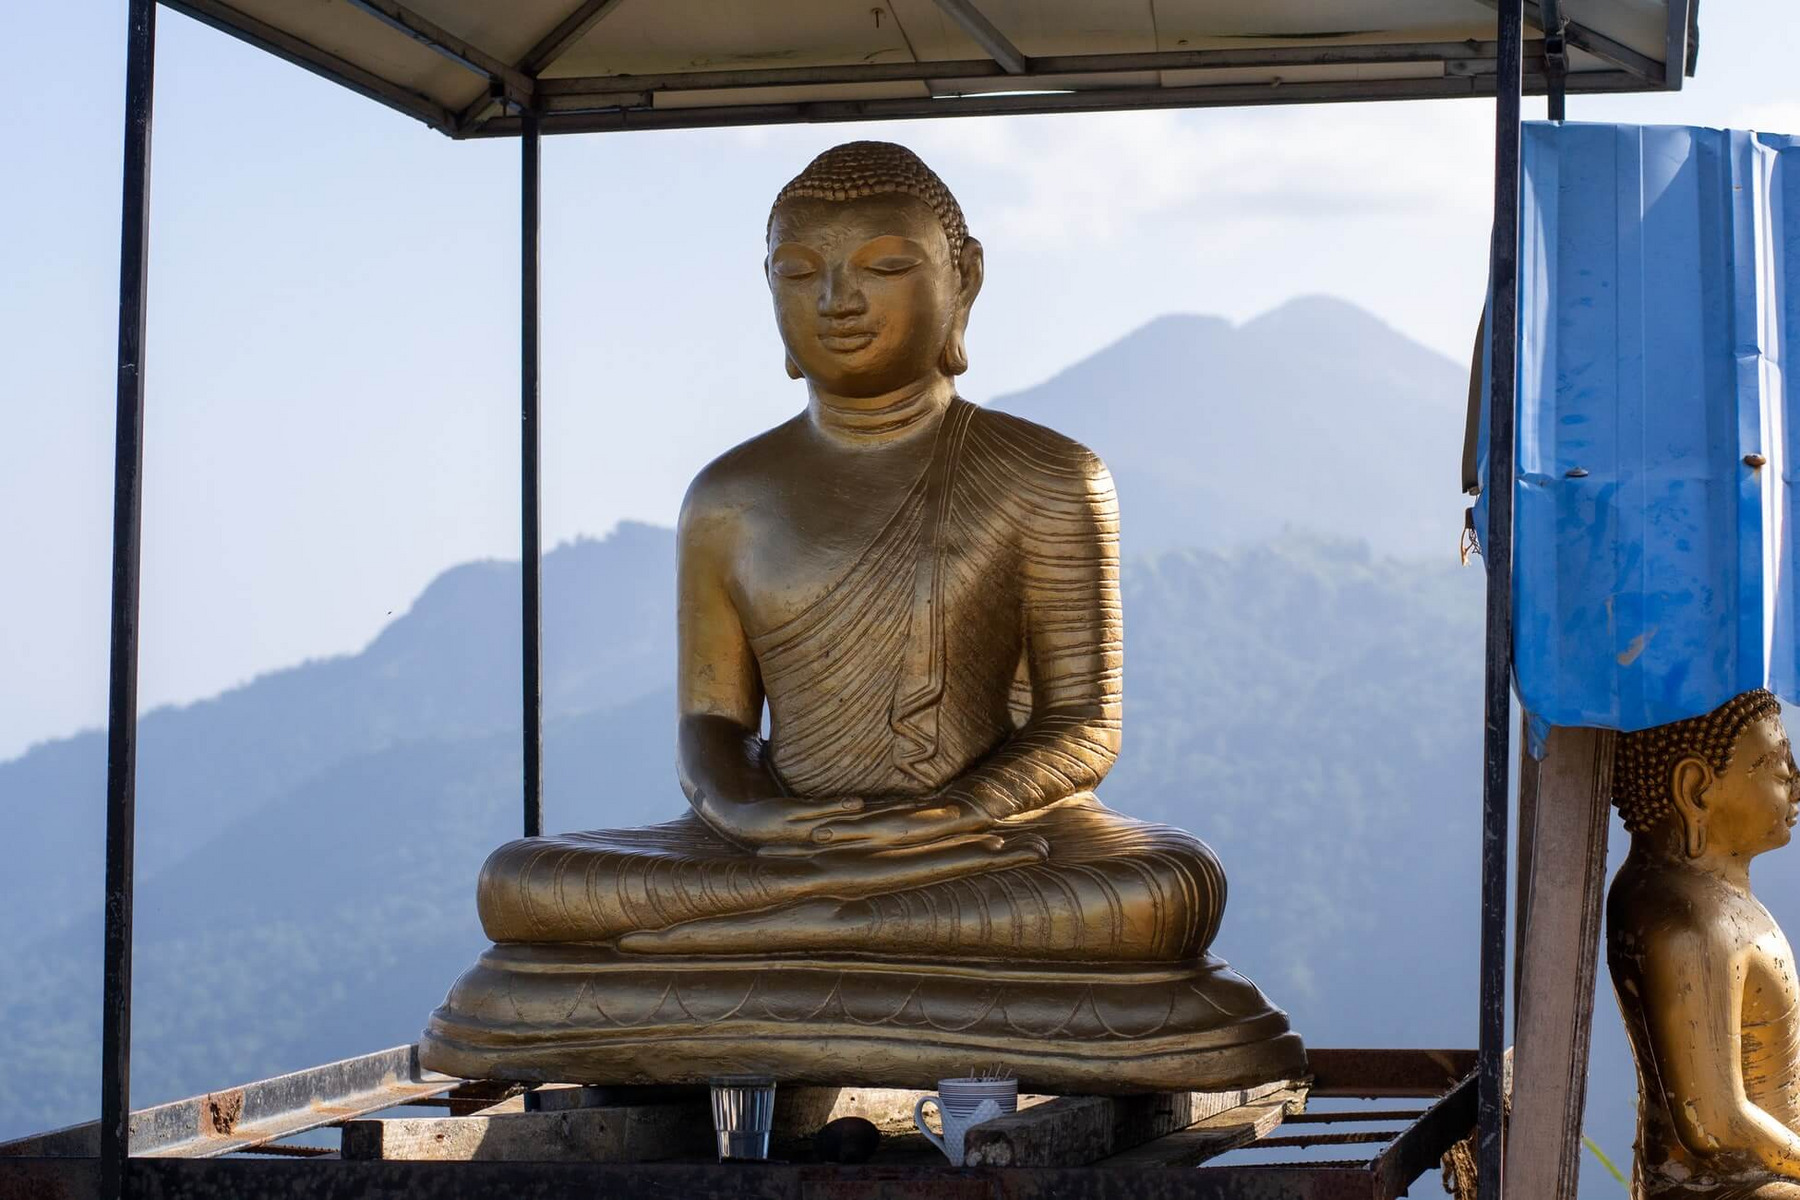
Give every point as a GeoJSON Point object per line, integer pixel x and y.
{"type": "Point", "coordinates": [872, 270]}
{"type": "Point", "coordinates": [1723, 782]}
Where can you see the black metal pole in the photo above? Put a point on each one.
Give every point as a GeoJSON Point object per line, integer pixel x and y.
{"type": "Point", "coordinates": [1497, 554]}
{"type": "Point", "coordinates": [121, 705]}
{"type": "Point", "coordinates": [530, 515]}
{"type": "Point", "coordinates": [1556, 57]}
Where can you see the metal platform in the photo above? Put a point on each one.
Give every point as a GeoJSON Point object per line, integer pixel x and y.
{"type": "Point", "coordinates": [238, 1144]}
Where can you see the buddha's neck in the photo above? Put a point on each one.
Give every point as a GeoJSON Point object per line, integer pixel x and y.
{"type": "Point", "coordinates": [895, 416]}
{"type": "Point", "coordinates": [1666, 848]}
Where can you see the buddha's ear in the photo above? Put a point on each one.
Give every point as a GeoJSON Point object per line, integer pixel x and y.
{"type": "Point", "coordinates": [1689, 780]}
{"type": "Point", "coordinates": [955, 358]}
{"type": "Point", "coordinates": [972, 267]}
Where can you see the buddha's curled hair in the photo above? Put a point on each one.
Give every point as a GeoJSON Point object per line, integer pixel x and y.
{"type": "Point", "coordinates": [857, 169]}
{"type": "Point", "coordinates": [1643, 761]}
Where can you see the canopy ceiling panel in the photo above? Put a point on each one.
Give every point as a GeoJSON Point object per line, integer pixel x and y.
{"type": "Point", "coordinates": [472, 67]}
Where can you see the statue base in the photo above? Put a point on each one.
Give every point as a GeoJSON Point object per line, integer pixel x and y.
{"type": "Point", "coordinates": [589, 1014]}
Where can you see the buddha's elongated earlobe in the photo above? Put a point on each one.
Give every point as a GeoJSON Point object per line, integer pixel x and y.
{"type": "Point", "coordinates": [955, 358]}
{"type": "Point", "coordinates": [793, 368]}
{"type": "Point", "coordinates": [970, 270]}
{"type": "Point", "coordinates": [1687, 791]}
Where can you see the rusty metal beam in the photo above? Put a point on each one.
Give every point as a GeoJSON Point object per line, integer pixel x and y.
{"type": "Point", "coordinates": [243, 1118]}
{"type": "Point", "coordinates": [986, 34]}
{"type": "Point", "coordinates": [1424, 1143]}
{"type": "Point", "coordinates": [329, 1179]}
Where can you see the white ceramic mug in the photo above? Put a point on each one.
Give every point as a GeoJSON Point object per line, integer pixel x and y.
{"type": "Point", "coordinates": [963, 1104]}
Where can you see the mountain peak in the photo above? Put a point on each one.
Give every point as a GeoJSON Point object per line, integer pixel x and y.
{"type": "Point", "coordinates": [1315, 415]}
{"type": "Point", "coordinates": [1313, 312]}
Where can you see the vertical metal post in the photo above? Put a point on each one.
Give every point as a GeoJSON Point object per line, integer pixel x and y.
{"type": "Point", "coordinates": [530, 516]}
{"type": "Point", "coordinates": [121, 704]}
{"type": "Point", "coordinates": [1556, 56]}
{"type": "Point", "coordinates": [1497, 554]}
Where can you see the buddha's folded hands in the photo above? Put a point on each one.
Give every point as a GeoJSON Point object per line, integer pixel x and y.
{"type": "Point", "coordinates": [926, 822]}
{"type": "Point", "coordinates": [779, 822]}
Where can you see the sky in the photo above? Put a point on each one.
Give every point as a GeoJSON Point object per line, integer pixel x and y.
{"type": "Point", "coordinates": [332, 371]}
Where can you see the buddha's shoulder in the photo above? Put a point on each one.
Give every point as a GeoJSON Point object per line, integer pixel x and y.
{"type": "Point", "coordinates": [1667, 913]}
{"type": "Point", "coordinates": [1051, 459]}
{"type": "Point", "coordinates": [740, 474]}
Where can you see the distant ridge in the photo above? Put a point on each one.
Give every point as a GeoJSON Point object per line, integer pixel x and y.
{"type": "Point", "coordinates": [1314, 416]}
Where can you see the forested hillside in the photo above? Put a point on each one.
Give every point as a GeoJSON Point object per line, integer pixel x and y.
{"type": "Point", "coordinates": [1311, 711]}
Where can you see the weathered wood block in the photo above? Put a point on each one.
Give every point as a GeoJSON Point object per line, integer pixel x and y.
{"type": "Point", "coordinates": [640, 1133]}
{"type": "Point", "coordinates": [1073, 1130]}
{"type": "Point", "coordinates": [1216, 1133]}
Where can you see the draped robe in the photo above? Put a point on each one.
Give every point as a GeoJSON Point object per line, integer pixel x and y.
{"type": "Point", "coordinates": [972, 649]}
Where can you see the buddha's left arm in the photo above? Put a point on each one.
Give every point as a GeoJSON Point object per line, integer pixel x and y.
{"type": "Point", "coordinates": [1069, 537]}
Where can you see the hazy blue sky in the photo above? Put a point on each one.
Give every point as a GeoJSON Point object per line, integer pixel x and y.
{"type": "Point", "coordinates": [333, 349]}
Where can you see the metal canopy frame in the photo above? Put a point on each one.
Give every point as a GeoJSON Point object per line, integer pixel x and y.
{"type": "Point", "coordinates": [520, 101]}
{"type": "Point", "coordinates": [1006, 81]}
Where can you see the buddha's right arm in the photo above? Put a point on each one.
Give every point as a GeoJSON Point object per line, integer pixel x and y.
{"type": "Point", "coordinates": [721, 758]}
{"type": "Point", "coordinates": [1692, 989]}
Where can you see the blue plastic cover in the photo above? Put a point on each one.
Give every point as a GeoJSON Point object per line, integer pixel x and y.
{"type": "Point", "coordinates": [1654, 529]}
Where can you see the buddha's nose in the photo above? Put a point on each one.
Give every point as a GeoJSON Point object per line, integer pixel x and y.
{"type": "Point", "coordinates": [841, 297]}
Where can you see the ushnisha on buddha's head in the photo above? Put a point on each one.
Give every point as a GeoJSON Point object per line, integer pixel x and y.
{"type": "Point", "coordinates": [873, 273]}
{"type": "Point", "coordinates": [1720, 787]}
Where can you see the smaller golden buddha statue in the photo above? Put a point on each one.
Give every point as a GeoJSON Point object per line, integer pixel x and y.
{"type": "Point", "coordinates": [908, 875]}
{"type": "Point", "coordinates": [1705, 978]}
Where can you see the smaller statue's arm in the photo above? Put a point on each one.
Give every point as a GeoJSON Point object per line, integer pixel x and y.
{"type": "Point", "coordinates": [1692, 980]}
{"type": "Point", "coordinates": [1074, 648]}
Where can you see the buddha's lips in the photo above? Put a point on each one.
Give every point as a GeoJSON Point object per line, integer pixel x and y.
{"type": "Point", "coordinates": [847, 340]}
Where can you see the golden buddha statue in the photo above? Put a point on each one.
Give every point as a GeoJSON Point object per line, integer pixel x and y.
{"type": "Point", "coordinates": [1705, 979]}
{"type": "Point", "coordinates": [910, 876]}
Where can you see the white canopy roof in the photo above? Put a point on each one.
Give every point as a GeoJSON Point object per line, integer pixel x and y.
{"type": "Point", "coordinates": [468, 67]}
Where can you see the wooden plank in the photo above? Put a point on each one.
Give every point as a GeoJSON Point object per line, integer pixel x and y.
{"type": "Point", "coordinates": [1215, 1134]}
{"type": "Point", "coordinates": [1072, 1130]}
{"type": "Point", "coordinates": [1530, 772]}
{"type": "Point", "coordinates": [639, 1133]}
{"type": "Point", "coordinates": [1378, 1074]}
{"type": "Point", "coordinates": [1559, 920]}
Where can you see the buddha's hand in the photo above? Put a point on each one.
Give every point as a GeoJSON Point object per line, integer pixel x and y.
{"type": "Point", "coordinates": [779, 823]}
{"type": "Point", "coordinates": [933, 819]}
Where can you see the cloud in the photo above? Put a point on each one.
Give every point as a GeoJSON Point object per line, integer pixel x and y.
{"type": "Point", "coordinates": [1110, 173]}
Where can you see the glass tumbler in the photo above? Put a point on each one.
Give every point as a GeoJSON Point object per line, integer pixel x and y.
{"type": "Point", "coordinates": [743, 1108]}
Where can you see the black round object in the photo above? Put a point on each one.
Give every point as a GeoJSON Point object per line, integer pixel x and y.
{"type": "Point", "coordinates": [847, 1140]}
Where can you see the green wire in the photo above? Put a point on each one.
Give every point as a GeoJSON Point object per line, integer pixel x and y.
{"type": "Point", "coordinates": [1606, 1162]}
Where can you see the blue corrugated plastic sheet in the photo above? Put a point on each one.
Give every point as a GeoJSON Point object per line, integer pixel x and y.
{"type": "Point", "coordinates": [1655, 560]}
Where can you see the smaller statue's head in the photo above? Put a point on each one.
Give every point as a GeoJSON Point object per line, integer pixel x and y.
{"type": "Point", "coordinates": [1723, 782]}
{"type": "Point", "coordinates": [872, 270]}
